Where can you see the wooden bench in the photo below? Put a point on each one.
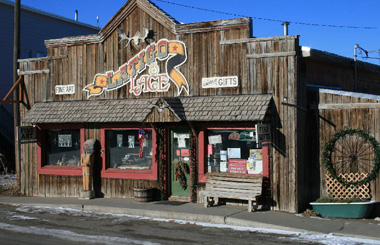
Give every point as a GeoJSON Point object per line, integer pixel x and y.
{"type": "Point", "coordinates": [241, 187]}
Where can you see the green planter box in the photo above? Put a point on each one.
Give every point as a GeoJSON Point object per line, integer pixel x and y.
{"type": "Point", "coordinates": [353, 210]}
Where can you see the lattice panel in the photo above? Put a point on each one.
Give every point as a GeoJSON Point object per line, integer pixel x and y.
{"type": "Point", "coordinates": [337, 190]}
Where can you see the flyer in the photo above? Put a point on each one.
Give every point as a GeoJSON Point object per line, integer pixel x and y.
{"type": "Point", "coordinates": [233, 152]}
{"type": "Point", "coordinates": [65, 140]}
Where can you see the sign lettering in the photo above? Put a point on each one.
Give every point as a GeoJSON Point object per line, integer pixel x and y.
{"type": "Point", "coordinates": [220, 82]}
{"type": "Point", "coordinates": [237, 166]}
{"type": "Point", "coordinates": [26, 133]}
{"type": "Point", "coordinates": [65, 89]}
{"type": "Point", "coordinates": [262, 134]}
{"type": "Point", "coordinates": [175, 54]}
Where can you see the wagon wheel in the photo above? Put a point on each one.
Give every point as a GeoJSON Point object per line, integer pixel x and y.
{"type": "Point", "coordinates": [352, 151]}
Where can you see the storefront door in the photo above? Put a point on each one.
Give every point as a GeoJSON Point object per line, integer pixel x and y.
{"type": "Point", "coordinates": [180, 162]}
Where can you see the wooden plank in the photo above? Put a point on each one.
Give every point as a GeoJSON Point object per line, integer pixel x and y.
{"type": "Point", "coordinates": [45, 71]}
{"type": "Point", "coordinates": [231, 195]}
{"type": "Point", "coordinates": [243, 188]}
{"type": "Point", "coordinates": [348, 106]}
{"type": "Point", "coordinates": [270, 55]}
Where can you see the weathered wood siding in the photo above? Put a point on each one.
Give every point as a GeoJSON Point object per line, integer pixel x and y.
{"type": "Point", "coordinates": [273, 68]}
{"type": "Point", "coordinates": [214, 49]}
{"type": "Point", "coordinates": [339, 72]}
{"type": "Point", "coordinates": [77, 63]}
{"type": "Point", "coordinates": [351, 114]}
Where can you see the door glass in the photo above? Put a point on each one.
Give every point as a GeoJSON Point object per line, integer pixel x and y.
{"type": "Point", "coordinates": [180, 157]}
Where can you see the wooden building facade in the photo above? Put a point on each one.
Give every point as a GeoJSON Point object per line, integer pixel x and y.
{"type": "Point", "coordinates": [156, 94]}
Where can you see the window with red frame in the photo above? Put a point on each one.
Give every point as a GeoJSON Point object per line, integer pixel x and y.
{"type": "Point", "coordinates": [233, 151]}
{"type": "Point", "coordinates": [59, 149]}
{"type": "Point", "coordinates": [62, 147]}
{"type": "Point", "coordinates": [129, 149]}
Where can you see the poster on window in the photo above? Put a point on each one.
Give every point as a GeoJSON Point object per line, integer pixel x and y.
{"type": "Point", "coordinates": [131, 141]}
{"type": "Point", "coordinates": [255, 161]}
{"type": "Point", "coordinates": [237, 166]}
{"type": "Point", "coordinates": [223, 162]}
{"type": "Point", "coordinates": [223, 167]}
{"type": "Point", "coordinates": [181, 139]}
{"type": "Point", "coordinates": [65, 140]}
{"type": "Point", "coordinates": [215, 139]}
{"type": "Point", "coordinates": [185, 152]}
{"type": "Point", "coordinates": [119, 138]}
{"type": "Point", "coordinates": [233, 152]}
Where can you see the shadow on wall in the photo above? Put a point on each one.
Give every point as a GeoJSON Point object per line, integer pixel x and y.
{"type": "Point", "coordinates": [97, 169]}
{"type": "Point", "coordinates": [278, 138]}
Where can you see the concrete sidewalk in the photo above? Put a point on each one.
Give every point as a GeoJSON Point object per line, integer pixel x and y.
{"type": "Point", "coordinates": [230, 215]}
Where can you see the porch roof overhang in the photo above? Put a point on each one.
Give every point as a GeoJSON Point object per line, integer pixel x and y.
{"type": "Point", "coordinates": [207, 108]}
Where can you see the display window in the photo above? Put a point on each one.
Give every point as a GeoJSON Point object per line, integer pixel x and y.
{"type": "Point", "coordinates": [62, 147]}
{"type": "Point", "coordinates": [129, 153]}
{"type": "Point", "coordinates": [233, 151]}
{"type": "Point", "coordinates": [59, 149]}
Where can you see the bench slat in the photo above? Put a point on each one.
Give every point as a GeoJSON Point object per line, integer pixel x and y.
{"type": "Point", "coordinates": [232, 179]}
{"type": "Point", "coordinates": [232, 185]}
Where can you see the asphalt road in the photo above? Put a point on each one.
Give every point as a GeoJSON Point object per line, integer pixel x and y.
{"type": "Point", "coordinates": [39, 225]}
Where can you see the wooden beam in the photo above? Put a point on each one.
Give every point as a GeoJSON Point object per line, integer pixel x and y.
{"type": "Point", "coordinates": [191, 125]}
{"type": "Point", "coordinates": [254, 39]}
{"type": "Point", "coordinates": [349, 106]}
{"type": "Point", "coordinates": [212, 25]}
{"type": "Point", "coordinates": [46, 71]}
{"type": "Point", "coordinates": [271, 55]}
{"type": "Point", "coordinates": [44, 58]}
{"type": "Point", "coordinates": [9, 101]}
{"type": "Point", "coordinates": [17, 83]}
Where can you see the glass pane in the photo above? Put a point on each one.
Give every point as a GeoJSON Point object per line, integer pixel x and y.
{"type": "Point", "coordinates": [181, 144]}
{"type": "Point", "coordinates": [233, 151]}
{"type": "Point", "coordinates": [63, 147]}
{"type": "Point", "coordinates": [129, 149]}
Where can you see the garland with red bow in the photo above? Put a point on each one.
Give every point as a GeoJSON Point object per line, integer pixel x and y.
{"type": "Point", "coordinates": [162, 162]}
{"type": "Point", "coordinates": [181, 169]}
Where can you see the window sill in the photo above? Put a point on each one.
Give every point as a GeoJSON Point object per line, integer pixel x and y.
{"type": "Point", "coordinates": [61, 170]}
{"type": "Point", "coordinates": [115, 173]}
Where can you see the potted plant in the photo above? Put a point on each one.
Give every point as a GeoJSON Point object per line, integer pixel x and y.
{"type": "Point", "coordinates": [352, 160]}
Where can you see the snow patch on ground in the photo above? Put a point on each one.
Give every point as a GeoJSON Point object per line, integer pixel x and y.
{"type": "Point", "coordinates": [22, 217]}
{"type": "Point", "coordinates": [72, 236]}
{"type": "Point", "coordinates": [8, 179]}
{"type": "Point", "coordinates": [292, 235]}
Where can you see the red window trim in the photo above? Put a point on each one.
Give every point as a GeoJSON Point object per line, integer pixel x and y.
{"type": "Point", "coordinates": [56, 170]}
{"type": "Point", "coordinates": [202, 171]}
{"type": "Point", "coordinates": [151, 174]}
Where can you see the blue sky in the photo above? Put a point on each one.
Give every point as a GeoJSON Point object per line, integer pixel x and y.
{"type": "Point", "coordinates": [338, 40]}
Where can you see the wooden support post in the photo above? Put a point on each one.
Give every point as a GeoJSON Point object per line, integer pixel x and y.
{"type": "Point", "coordinates": [18, 84]}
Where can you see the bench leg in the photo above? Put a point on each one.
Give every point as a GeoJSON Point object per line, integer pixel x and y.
{"type": "Point", "coordinates": [252, 205]}
{"type": "Point", "coordinates": [205, 201]}
{"type": "Point", "coordinates": [216, 200]}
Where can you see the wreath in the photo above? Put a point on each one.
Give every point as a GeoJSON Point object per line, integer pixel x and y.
{"type": "Point", "coordinates": [329, 149]}
{"type": "Point", "coordinates": [181, 169]}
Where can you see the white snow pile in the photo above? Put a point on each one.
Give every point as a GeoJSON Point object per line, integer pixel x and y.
{"type": "Point", "coordinates": [288, 235]}
{"type": "Point", "coordinates": [8, 182]}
